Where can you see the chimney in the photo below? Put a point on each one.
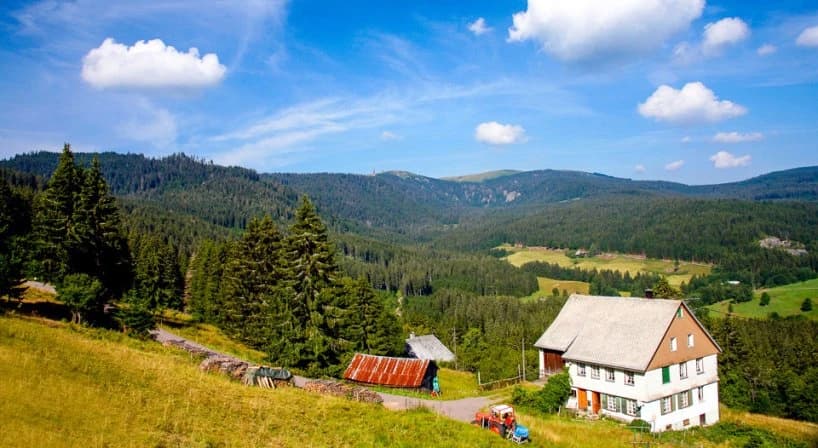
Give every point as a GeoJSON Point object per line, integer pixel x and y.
{"type": "Point", "coordinates": [648, 293]}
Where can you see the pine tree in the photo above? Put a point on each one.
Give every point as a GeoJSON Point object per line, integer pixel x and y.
{"type": "Point", "coordinates": [366, 324]}
{"type": "Point", "coordinates": [83, 294]}
{"type": "Point", "coordinates": [11, 263]}
{"type": "Point", "coordinates": [313, 269]}
{"type": "Point", "coordinates": [665, 291]}
{"type": "Point", "coordinates": [53, 212]}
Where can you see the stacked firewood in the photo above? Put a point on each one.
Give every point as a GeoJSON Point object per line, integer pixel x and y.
{"type": "Point", "coordinates": [231, 367]}
{"type": "Point", "coordinates": [339, 389]}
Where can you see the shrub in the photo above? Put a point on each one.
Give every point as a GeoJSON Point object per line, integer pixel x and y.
{"type": "Point", "coordinates": [82, 294]}
{"type": "Point", "coordinates": [806, 305]}
{"type": "Point", "coordinates": [765, 299]}
{"type": "Point", "coordinates": [554, 394]}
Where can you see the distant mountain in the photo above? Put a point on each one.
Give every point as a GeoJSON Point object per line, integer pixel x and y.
{"type": "Point", "coordinates": [480, 177]}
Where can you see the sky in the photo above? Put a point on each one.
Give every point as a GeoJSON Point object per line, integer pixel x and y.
{"type": "Point", "coordinates": [681, 90]}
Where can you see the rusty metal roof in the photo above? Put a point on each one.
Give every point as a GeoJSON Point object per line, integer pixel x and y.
{"type": "Point", "coordinates": [387, 371]}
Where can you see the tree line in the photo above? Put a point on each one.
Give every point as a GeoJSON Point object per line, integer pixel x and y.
{"type": "Point", "coordinates": [604, 282]}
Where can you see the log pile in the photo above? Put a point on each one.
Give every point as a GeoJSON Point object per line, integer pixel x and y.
{"type": "Point", "coordinates": [231, 367]}
{"type": "Point", "coordinates": [348, 391]}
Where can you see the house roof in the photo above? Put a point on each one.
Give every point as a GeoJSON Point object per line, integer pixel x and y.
{"type": "Point", "coordinates": [619, 332]}
{"type": "Point", "coordinates": [429, 347]}
{"type": "Point", "coordinates": [387, 371]}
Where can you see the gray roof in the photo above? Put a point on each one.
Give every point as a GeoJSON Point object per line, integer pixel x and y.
{"type": "Point", "coordinates": [619, 332]}
{"type": "Point", "coordinates": [428, 347]}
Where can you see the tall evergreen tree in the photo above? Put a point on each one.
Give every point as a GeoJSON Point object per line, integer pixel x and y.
{"type": "Point", "coordinates": [11, 263]}
{"type": "Point", "coordinates": [313, 269]}
{"type": "Point", "coordinates": [53, 213]}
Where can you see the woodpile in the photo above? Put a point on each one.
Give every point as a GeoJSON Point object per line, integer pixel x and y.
{"type": "Point", "coordinates": [348, 391]}
{"type": "Point", "coordinates": [231, 367]}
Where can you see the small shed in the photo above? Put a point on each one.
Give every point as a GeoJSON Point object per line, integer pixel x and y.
{"type": "Point", "coordinates": [428, 347]}
{"type": "Point", "coordinates": [393, 372]}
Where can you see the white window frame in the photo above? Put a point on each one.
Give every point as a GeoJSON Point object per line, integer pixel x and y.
{"type": "Point", "coordinates": [595, 372]}
{"type": "Point", "coordinates": [580, 369]}
{"type": "Point", "coordinates": [611, 403]}
{"type": "Point", "coordinates": [699, 365]}
{"type": "Point", "coordinates": [666, 405]}
{"type": "Point", "coordinates": [630, 407]}
{"type": "Point", "coordinates": [683, 400]}
{"type": "Point", "coordinates": [610, 375]}
{"type": "Point", "coordinates": [683, 370]}
{"type": "Point", "coordinates": [673, 345]}
{"type": "Point", "coordinates": [630, 378]}
{"type": "Point", "coordinates": [690, 340]}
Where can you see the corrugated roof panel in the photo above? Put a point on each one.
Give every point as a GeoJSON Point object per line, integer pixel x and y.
{"type": "Point", "coordinates": [387, 371]}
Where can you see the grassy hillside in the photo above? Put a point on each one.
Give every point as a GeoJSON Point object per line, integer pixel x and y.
{"type": "Point", "coordinates": [614, 262]}
{"type": "Point", "coordinates": [65, 386]}
{"type": "Point", "coordinates": [784, 300]}
{"type": "Point", "coordinates": [480, 177]}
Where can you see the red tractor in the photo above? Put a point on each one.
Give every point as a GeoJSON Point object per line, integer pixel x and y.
{"type": "Point", "coordinates": [500, 419]}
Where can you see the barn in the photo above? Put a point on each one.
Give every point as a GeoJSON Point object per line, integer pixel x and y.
{"type": "Point", "coordinates": [393, 372]}
{"type": "Point", "coordinates": [428, 347]}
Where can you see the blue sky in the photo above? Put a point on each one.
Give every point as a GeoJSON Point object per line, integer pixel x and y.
{"type": "Point", "coordinates": [683, 90]}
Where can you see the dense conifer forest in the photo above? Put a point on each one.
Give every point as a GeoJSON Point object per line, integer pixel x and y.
{"type": "Point", "coordinates": [358, 262]}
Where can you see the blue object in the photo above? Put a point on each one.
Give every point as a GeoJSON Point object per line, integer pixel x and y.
{"type": "Point", "coordinates": [521, 431]}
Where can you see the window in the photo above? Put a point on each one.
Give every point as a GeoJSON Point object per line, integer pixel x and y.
{"type": "Point", "coordinates": [595, 372]}
{"type": "Point", "coordinates": [683, 370]}
{"type": "Point", "coordinates": [673, 344]}
{"type": "Point", "coordinates": [699, 365]}
{"type": "Point", "coordinates": [665, 374]}
{"type": "Point", "coordinates": [690, 340]}
{"type": "Point", "coordinates": [581, 369]}
{"type": "Point", "coordinates": [666, 405]}
{"type": "Point", "coordinates": [686, 422]}
{"type": "Point", "coordinates": [630, 408]}
{"type": "Point", "coordinates": [609, 375]}
{"type": "Point", "coordinates": [611, 404]}
{"type": "Point", "coordinates": [700, 393]}
{"type": "Point", "coordinates": [679, 313]}
{"type": "Point", "coordinates": [629, 378]}
{"type": "Point", "coordinates": [684, 399]}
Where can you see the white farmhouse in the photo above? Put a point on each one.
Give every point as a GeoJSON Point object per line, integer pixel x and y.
{"type": "Point", "coordinates": [634, 358]}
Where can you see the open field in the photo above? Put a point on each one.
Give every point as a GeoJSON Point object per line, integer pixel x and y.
{"type": "Point", "coordinates": [71, 386]}
{"type": "Point", "coordinates": [784, 300]}
{"type": "Point", "coordinates": [548, 284]}
{"type": "Point", "coordinates": [614, 262]}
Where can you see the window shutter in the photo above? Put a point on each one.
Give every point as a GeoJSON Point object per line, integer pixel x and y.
{"type": "Point", "coordinates": [673, 404]}
{"type": "Point", "coordinates": [621, 407]}
{"type": "Point", "coordinates": [690, 397]}
{"type": "Point", "coordinates": [665, 374]}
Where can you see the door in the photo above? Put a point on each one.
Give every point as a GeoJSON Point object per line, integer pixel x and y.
{"type": "Point", "coordinates": [582, 399]}
{"type": "Point", "coordinates": [702, 420]}
{"type": "Point", "coordinates": [595, 404]}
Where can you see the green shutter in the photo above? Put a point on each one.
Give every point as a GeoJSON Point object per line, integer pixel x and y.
{"type": "Point", "coordinates": [620, 406]}
{"type": "Point", "coordinates": [665, 374]}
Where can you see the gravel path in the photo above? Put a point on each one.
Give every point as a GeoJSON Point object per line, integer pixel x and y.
{"type": "Point", "coordinates": [462, 410]}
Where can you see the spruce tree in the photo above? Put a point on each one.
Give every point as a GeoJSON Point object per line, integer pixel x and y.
{"type": "Point", "coordinates": [313, 269]}
{"type": "Point", "coordinates": [53, 213]}
{"type": "Point", "coordinates": [11, 265]}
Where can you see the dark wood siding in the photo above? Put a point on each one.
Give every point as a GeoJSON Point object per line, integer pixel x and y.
{"type": "Point", "coordinates": [552, 361]}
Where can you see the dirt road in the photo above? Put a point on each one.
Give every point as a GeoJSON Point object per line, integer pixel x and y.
{"type": "Point", "coordinates": [462, 410]}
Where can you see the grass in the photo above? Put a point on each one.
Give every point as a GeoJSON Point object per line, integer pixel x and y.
{"type": "Point", "coordinates": [547, 284]}
{"type": "Point", "coordinates": [614, 262]}
{"type": "Point", "coordinates": [210, 336]}
{"type": "Point", "coordinates": [784, 300]}
{"type": "Point", "coordinates": [568, 432]}
{"type": "Point", "coordinates": [72, 386]}
{"type": "Point", "coordinates": [454, 385]}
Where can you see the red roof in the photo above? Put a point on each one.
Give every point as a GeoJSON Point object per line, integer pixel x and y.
{"type": "Point", "coordinates": [383, 370]}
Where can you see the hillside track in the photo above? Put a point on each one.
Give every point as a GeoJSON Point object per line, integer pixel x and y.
{"type": "Point", "coordinates": [461, 410]}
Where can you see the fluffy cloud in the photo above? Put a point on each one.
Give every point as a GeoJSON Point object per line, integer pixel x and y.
{"type": "Point", "coordinates": [694, 103]}
{"type": "Point", "coordinates": [590, 30]}
{"type": "Point", "coordinates": [673, 166]}
{"type": "Point", "coordinates": [736, 137]}
{"type": "Point", "coordinates": [495, 133]}
{"type": "Point", "coordinates": [479, 27]}
{"type": "Point", "coordinates": [724, 159]}
{"type": "Point", "coordinates": [808, 37]}
{"type": "Point", "coordinates": [766, 49]}
{"type": "Point", "coordinates": [723, 33]}
{"type": "Point", "coordinates": [150, 64]}
{"type": "Point", "coordinates": [639, 168]}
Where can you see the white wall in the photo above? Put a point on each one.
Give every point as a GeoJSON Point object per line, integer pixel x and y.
{"type": "Point", "coordinates": [651, 412]}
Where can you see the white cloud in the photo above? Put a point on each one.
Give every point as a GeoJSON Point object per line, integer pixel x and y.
{"type": "Point", "coordinates": [673, 166]}
{"type": "Point", "coordinates": [724, 159]}
{"type": "Point", "coordinates": [723, 33]}
{"type": "Point", "coordinates": [639, 168]}
{"type": "Point", "coordinates": [766, 50]}
{"type": "Point", "coordinates": [694, 103]}
{"type": "Point", "coordinates": [150, 124]}
{"type": "Point", "coordinates": [686, 139]}
{"type": "Point", "coordinates": [389, 136]}
{"type": "Point", "coordinates": [149, 64]}
{"type": "Point", "coordinates": [736, 137]}
{"type": "Point", "coordinates": [479, 27]}
{"type": "Point", "coordinates": [808, 37]}
{"type": "Point", "coordinates": [495, 133]}
{"type": "Point", "coordinates": [590, 30]}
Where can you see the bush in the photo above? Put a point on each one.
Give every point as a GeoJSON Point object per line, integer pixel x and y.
{"type": "Point", "coordinates": [806, 305]}
{"type": "Point", "coordinates": [136, 320]}
{"type": "Point", "coordinates": [765, 299]}
{"type": "Point", "coordinates": [555, 393]}
{"type": "Point", "coordinates": [82, 294]}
